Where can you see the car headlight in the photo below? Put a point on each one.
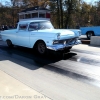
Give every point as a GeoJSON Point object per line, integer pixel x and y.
{"type": "Point", "coordinates": [80, 33]}
{"type": "Point", "coordinates": [64, 42]}
{"type": "Point", "coordinates": [58, 36]}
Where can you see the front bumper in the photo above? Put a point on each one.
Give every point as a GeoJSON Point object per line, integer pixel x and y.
{"type": "Point", "coordinates": [57, 47]}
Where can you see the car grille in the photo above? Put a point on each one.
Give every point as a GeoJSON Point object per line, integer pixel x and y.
{"type": "Point", "coordinates": [68, 41]}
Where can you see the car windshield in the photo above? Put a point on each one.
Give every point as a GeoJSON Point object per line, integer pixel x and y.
{"type": "Point", "coordinates": [40, 25]}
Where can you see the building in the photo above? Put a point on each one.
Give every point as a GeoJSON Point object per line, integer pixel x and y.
{"type": "Point", "coordinates": [34, 13]}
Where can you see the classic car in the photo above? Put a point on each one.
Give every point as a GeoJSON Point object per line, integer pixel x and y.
{"type": "Point", "coordinates": [41, 35]}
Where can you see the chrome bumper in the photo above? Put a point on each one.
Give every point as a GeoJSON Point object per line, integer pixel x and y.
{"type": "Point", "coordinates": [57, 47]}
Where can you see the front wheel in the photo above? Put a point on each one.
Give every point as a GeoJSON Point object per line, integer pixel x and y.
{"type": "Point", "coordinates": [41, 48]}
{"type": "Point", "coordinates": [67, 50]}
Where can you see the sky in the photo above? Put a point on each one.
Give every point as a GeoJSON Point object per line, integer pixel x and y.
{"type": "Point", "coordinates": [91, 1]}
{"type": "Point", "coordinates": [88, 1]}
{"type": "Point", "coordinates": [3, 1]}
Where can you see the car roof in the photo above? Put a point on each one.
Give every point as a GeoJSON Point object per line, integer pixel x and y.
{"type": "Point", "coordinates": [29, 21]}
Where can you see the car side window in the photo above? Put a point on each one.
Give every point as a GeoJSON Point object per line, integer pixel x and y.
{"type": "Point", "coordinates": [23, 26]}
{"type": "Point", "coordinates": [33, 26]}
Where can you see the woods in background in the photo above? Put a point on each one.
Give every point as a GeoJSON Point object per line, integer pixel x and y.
{"type": "Point", "coordinates": [64, 13]}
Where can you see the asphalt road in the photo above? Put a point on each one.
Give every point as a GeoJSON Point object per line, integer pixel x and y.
{"type": "Point", "coordinates": [72, 76]}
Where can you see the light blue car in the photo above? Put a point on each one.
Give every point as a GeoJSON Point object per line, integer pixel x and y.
{"type": "Point", "coordinates": [41, 35]}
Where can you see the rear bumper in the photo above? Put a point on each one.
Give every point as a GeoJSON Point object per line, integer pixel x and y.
{"type": "Point", "coordinates": [57, 47]}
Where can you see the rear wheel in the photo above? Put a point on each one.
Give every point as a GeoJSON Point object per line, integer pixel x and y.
{"type": "Point", "coordinates": [9, 43]}
{"type": "Point", "coordinates": [89, 34]}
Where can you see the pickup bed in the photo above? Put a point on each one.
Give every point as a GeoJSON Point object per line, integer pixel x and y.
{"type": "Point", "coordinates": [41, 35]}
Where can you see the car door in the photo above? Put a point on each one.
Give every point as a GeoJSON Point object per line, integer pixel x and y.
{"type": "Point", "coordinates": [23, 36]}
{"type": "Point", "coordinates": [33, 29]}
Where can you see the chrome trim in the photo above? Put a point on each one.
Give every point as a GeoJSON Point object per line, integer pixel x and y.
{"type": "Point", "coordinates": [68, 41]}
{"type": "Point", "coordinates": [57, 47]}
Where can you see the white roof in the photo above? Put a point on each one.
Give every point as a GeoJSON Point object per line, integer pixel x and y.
{"type": "Point", "coordinates": [29, 21]}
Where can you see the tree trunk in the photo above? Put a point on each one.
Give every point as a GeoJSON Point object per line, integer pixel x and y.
{"type": "Point", "coordinates": [61, 14]}
{"type": "Point", "coordinates": [68, 14]}
{"type": "Point", "coordinates": [58, 15]}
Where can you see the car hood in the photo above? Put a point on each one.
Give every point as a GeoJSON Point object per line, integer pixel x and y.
{"type": "Point", "coordinates": [62, 32]}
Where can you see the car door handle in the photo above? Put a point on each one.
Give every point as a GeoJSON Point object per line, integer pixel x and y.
{"type": "Point", "coordinates": [32, 34]}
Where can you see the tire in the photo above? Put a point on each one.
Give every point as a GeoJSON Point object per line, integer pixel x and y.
{"type": "Point", "coordinates": [9, 43]}
{"type": "Point", "coordinates": [67, 50]}
{"type": "Point", "coordinates": [40, 48]}
{"type": "Point", "coordinates": [89, 34]}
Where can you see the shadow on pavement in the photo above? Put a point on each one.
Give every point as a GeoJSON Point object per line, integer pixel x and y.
{"type": "Point", "coordinates": [28, 56]}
